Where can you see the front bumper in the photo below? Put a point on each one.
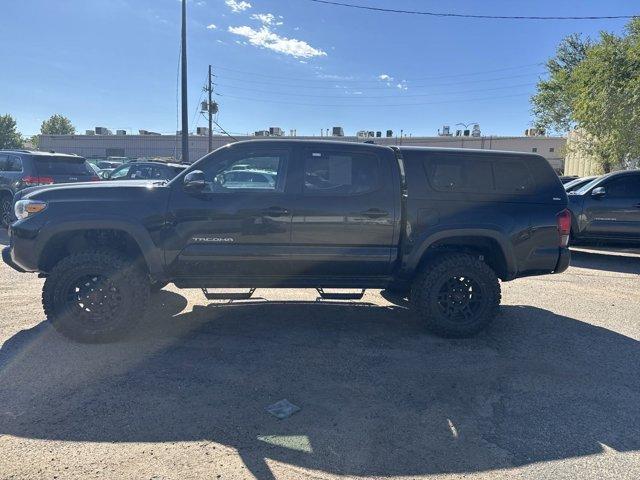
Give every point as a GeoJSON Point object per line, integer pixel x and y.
{"type": "Point", "coordinates": [8, 259]}
{"type": "Point", "coordinates": [563, 260]}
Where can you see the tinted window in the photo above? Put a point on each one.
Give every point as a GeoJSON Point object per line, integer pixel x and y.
{"type": "Point", "coordinates": [512, 176]}
{"type": "Point", "coordinates": [9, 163]}
{"type": "Point", "coordinates": [478, 175]}
{"type": "Point", "coordinates": [144, 172]}
{"type": "Point", "coordinates": [254, 170]}
{"type": "Point", "coordinates": [338, 173]}
{"type": "Point", "coordinates": [624, 187]}
{"type": "Point", "coordinates": [460, 174]}
{"type": "Point", "coordinates": [54, 165]}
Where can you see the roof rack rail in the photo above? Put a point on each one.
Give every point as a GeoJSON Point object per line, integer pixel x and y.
{"type": "Point", "coordinates": [23, 150]}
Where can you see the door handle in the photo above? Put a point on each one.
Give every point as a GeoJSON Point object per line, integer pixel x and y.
{"type": "Point", "coordinates": [275, 212]}
{"type": "Point", "coordinates": [374, 213]}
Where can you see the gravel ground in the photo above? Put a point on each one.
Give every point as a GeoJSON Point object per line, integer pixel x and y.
{"type": "Point", "coordinates": [551, 391]}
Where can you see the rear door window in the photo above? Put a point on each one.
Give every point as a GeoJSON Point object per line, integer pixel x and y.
{"type": "Point", "coordinates": [56, 165]}
{"type": "Point", "coordinates": [328, 172]}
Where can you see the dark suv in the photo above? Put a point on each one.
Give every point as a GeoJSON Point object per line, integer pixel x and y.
{"type": "Point", "coordinates": [23, 168]}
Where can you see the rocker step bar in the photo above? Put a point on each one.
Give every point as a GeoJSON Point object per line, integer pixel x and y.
{"type": "Point", "coordinates": [209, 295]}
{"type": "Point", "coordinates": [340, 295]}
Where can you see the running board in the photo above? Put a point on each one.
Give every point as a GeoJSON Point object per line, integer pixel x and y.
{"type": "Point", "coordinates": [340, 295]}
{"type": "Point", "coordinates": [228, 295]}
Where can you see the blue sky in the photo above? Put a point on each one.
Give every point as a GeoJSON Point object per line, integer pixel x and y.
{"type": "Point", "coordinates": [287, 63]}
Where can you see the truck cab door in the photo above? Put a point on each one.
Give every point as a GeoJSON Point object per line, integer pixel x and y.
{"type": "Point", "coordinates": [239, 225]}
{"type": "Point", "coordinates": [613, 212]}
{"type": "Point", "coordinates": [345, 212]}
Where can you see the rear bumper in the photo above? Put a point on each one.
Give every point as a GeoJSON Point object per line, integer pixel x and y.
{"type": "Point", "coordinates": [563, 260]}
{"type": "Point", "coordinates": [8, 259]}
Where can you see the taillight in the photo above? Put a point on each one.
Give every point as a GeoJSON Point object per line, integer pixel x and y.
{"type": "Point", "coordinates": [564, 227]}
{"type": "Point", "coordinates": [35, 181]}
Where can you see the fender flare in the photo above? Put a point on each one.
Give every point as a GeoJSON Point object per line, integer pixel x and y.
{"type": "Point", "coordinates": [152, 254]}
{"type": "Point", "coordinates": [423, 244]}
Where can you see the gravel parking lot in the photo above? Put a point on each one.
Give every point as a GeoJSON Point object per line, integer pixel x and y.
{"type": "Point", "coordinates": [552, 390]}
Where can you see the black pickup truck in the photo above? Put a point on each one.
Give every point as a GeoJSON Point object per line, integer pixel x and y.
{"type": "Point", "coordinates": [438, 226]}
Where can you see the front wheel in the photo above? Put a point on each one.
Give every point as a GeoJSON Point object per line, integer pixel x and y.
{"type": "Point", "coordinates": [457, 295]}
{"type": "Point", "coordinates": [95, 296]}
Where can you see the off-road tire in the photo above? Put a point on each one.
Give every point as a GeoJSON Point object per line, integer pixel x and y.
{"type": "Point", "coordinates": [469, 276]}
{"type": "Point", "coordinates": [6, 210]}
{"type": "Point", "coordinates": [125, 300]}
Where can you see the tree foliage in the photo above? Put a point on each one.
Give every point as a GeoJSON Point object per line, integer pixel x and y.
{"type": "Point", "coordinates": [595, 87]}
{"type": "Point", "coordinates": [9, 135]}
{"type": "Point", "coordinates": [57, 125]}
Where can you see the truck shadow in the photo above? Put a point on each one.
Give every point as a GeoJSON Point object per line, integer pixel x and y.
{"type": "Point", "coordinates": [378, 396]}
{"type": "Point", "coordinates": [609, 261]}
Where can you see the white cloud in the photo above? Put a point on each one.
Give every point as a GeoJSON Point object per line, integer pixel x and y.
{"type": "Point", "coordinates": [385, 78]}
{"type": "Point", "coordinates": [265, 38]}
{"type": "Point", "coordinates": [266, 18]}
{"type": "Point", "coordinates": [211, 27]}
{"type": "Point", "coordinates": [236, 6]}
{"type": "Point", "coordinates": [402, 85]}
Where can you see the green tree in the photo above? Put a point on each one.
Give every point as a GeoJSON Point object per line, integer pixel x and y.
{"type": "Point", "coordinates": [9, 135]}
{"type": "Point", "coordinates": [595, 88]}
{"type": "Point", "coordinates": [552, 104]}
{"type": "Point", "coordinates": [57, 125]}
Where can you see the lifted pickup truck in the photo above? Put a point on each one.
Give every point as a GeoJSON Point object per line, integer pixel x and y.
{"type": "Point", "coordinates": [439, 226]}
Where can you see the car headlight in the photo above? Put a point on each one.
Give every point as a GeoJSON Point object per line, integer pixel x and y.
{"type": "Point", "coordinates": [27, 208]}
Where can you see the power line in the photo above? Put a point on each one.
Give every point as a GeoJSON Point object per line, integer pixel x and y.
{"type": "Point", "coordinates": [354, 96]}
{"type": "Point", "coordinates": [333, 80]}
{"type": "Point", "coordinates": [385, 87]}
{"type": "Point", "coordinates": [377, 105]}
{"type": "Point", "coordinates": [463, 15]}
{"type": "Point", "coordinates": [224, 131]}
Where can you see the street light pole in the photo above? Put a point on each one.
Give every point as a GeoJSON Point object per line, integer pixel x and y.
{"type": "Point", "coordinates": [185, 106]}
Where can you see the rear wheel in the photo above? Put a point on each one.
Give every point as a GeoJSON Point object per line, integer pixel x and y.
{"type": "Point", "coordinates": [457, 295]}
{"type": "Point", "coordinates": [6, 210]}
{"type": "Point", "coordinates": [95, 296]}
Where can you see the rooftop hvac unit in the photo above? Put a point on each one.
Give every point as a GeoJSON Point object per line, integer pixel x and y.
{"type": "Point", "coordinates": [202, 131]}
{"type": "Point", "coordinates": [338, 132]}
{"type": "Point", "coordinates": [121, 132]}
{"type": "Point", "coordinates": [103, 131]}
{"type": "Point", "coordinates": [371, 134]}
{"type": "Point", "coordinates": [476, 130]}
{"type": "Point", "coordinates": [147, 132]}
{"type": "Point", "coordinates": [378, 134]}
{"type": "Point", "coordinates": [389, 133]}
{"type": "Point", "coordinates": [458, 133]}
{"type": "Point", "coordinates": [262, 133]}
{"type": "Point", "coordinates": [89, 132]}
{"type": "Point", "coordinates": [446, 131]}
{"type": "Point", "coordinates": [275, 131]}
{"type": "Point", "coordinates": [466, 133]}
{"type": "Point", "coordinates": [361, 134]}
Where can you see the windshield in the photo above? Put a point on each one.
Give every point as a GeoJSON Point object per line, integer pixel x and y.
{"type": "Point", "coordinates": [58, 165]}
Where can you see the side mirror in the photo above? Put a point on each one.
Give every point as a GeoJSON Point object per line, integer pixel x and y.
{"type": "Point", "coordinates": [194, 181]}
{"type": "Point", "coordinates": [598, 192]}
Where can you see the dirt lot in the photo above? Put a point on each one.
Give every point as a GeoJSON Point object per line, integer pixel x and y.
{"type": "Point", "coordinates": [551, 391]}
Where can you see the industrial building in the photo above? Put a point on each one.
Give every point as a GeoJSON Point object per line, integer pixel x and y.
{"type": "Point", "coordinates": [168, 146]}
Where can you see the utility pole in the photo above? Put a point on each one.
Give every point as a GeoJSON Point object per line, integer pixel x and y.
{"type": "Point", "coordinates": [210, 107]}
{"type": "Point", "coordinates": [185, 106]}
{"type": "Point", "coordinates": [210, 114]}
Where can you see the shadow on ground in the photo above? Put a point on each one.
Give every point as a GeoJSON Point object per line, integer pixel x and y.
{"type": "Point", "coordinates": [610, 261]}
{"type": "Point", "coordinates": [378, 396]}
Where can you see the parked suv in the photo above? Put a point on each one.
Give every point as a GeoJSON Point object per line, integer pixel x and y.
{"type": "Point", "coordinates": [437, 226]}
{"type": "Point", "coordinates": [607, 210]}
{"type": "Point", "coordinates": [23, 168]}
